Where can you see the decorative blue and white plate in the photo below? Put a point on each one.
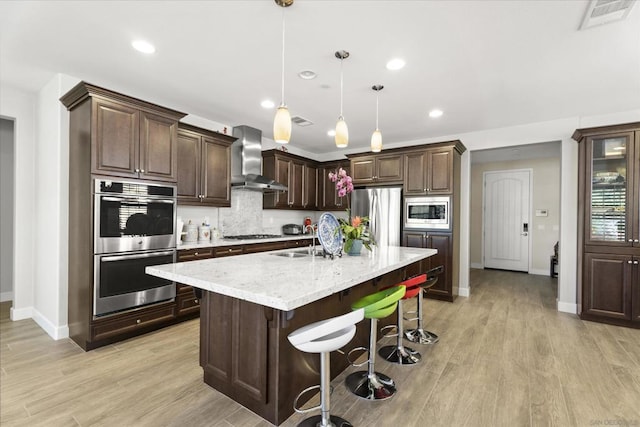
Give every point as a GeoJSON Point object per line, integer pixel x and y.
{"type": "Point", "coordinates": [329, 233]}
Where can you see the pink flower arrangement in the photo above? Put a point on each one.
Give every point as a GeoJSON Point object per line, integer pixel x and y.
{"type": "Point", "coordinates": [344, 183]}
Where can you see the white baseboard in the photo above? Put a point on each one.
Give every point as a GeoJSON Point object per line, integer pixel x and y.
{"type": "Point", "coordinates": [20, 313]}
{"type": "Point", "coordinates": [539, 272]}
{"type": "Point", "coordinates": [567, 307]}
{"type": "Point", "coordinates": [55, 332]}
{"type": "Point", "coordinates": [464, 292]}
{"type": "Point", "coordinates": [6, 296]}
{"type": "Point", "coordinates": [478, 265]}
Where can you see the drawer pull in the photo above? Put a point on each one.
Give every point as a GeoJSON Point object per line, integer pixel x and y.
{"type": "Point", "coordinates": [195, 301]}
{"type": "Point", "coordinates": [196, 254]}
{"type": "Point", "coordinates": [138, 321]}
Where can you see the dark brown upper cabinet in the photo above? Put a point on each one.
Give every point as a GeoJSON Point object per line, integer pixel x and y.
{"type": "Point", "coordinates": [429, 171]}
{"type": "Point", "coordinates": [297, 173]}
{"type": "Point", "coordinates": [129, 138]}
{"type": "Point", "coordinates": [328, 195]}
{"type": "Point", "coordinates": [608, 224]}
{"type": "Point", "coordinates": [377, 169]}
{"type": "Point", "coordinates": [204, 167]}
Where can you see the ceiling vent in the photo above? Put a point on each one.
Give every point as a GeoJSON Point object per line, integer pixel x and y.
{"type": "Point", "coordinates": [301, 121]}
{"type": "Point", "coordinates": [604, 11]}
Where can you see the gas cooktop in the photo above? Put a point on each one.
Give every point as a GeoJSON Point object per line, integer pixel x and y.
{"type": "Point", "coordinates": [252, 236]}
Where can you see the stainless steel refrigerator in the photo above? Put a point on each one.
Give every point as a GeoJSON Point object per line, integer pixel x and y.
{"type": "Point", "coordinates": [383, 206]}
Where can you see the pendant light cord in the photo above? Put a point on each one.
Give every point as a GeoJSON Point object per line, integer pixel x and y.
{"type": "Point", "coordinates": [341, 85]}
{"type": "Point", "coordinates": [282, 98]}
{"type": "Point", "coordinates": [377, 98]}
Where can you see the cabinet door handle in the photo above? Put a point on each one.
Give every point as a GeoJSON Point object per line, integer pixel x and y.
{"type": "Point", "coordinates": [635, 262]}
{"type": "Point", "coordinates": [630, 240]}
{"type": "Point", "coordinates": [636, 241]}
{"type": "Point", "coordinates": [141, 170]}
{"type": "Point", "coordinates": [195, 300]}
{"type": "Point", "coordinates": [629, 262]}
{"type": "Point", "coordinates": [136, 170]}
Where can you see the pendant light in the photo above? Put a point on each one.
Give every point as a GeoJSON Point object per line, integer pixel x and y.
{"type": "Point", "coordinates": [376, 137]}
{"type": "Point", "coordinates": [342, 132]}
{"type": "Point", "coordinates": [282, 121]}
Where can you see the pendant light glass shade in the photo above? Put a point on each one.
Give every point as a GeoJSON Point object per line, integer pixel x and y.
{"type": "Point", "coordinates": [376, 137]}
{"type": "Point", "coordinates": [342, 133]}
{"type": "Point", "coordinates": [282, 121]}
{"type": "Point", "coordinates": [282, 125]}
{"type": "Point", "coordinates": [376, 141]}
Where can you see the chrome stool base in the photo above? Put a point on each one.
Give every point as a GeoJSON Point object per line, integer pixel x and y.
{"type": "Point", "coordinates": [420, 336]}
{"type": "Point", "coordinates": [371, 387]}
{"type": "Point", "coordinates": [317, 422]}
{"type": "Point", "coordinates": [399, 355]}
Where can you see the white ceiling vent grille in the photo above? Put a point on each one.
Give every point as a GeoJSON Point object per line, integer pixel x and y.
{"type": "Point", "coordinates": [301, 121]}
{"type": "Point", "coordinates": [604, 11]}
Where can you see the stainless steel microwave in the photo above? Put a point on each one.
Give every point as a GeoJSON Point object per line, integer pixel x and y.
{"type": "Point", "coordinates": [427, 213]}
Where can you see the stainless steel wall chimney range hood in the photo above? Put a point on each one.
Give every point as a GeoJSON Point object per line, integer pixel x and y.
{"type": "Point", "coordinates": [246, 162]}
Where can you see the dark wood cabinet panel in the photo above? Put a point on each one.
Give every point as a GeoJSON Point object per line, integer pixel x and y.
{"type": "Point", "coordinates": [264, 247]}
{"type": "Point", "coordinates": [120, 324]}
{"type": "Point", "coordinates": [215, 354]}
{"type": "Point", "coordinates": [608, 224]}
{"type": "Point", "coordinates": [300, 176]}
{"type": "Point", "coordinates": [607, 285]}
{"type": "Point", "coordinates": [189, 167]}
{"type": "Point", "coordinates": [204, 160]}
{"type": "Point", "coordinates": [440, 171]}
{"type": "Point", "coordinates": [328, 195]}
{"type": "Point", "coordinates": [187, 304]}
{"type": "Point", "coordinates": [384, 168]}
{"type": "Point", "coordinates": [216, 170]}
{"type": "Point", "coordinates": [194, 254]}
{"type": "Point", "coordinates": [443, 242]}
{"type": "Point", "coordinates": [415, 177]}
{"type": "Point", "coordinates": [227, 251]}
{"type": "Point", "coordinates": [115, 140]}
{"type": "Point", "coordinates": [158, 147]}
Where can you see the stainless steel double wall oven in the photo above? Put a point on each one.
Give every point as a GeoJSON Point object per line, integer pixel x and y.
{"type": "Point", "coordinates": [134, 226]}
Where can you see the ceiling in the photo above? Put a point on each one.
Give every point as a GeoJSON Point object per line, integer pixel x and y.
{"type": "Point", "coordinates": [486, 64]}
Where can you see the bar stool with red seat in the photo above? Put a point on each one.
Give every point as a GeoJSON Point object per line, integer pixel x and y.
{"type": "Point", "coordinates": [369, 384]}
{"type": "Point", "coordinates": [419, 335]}
{"type": "Point", "coordinates": [324, 337]}
{"type": "Point", "coordinates": [399, 353]}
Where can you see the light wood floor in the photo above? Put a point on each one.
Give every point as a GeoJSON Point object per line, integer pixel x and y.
{"type": "Point", "coordinates": [506, 358]}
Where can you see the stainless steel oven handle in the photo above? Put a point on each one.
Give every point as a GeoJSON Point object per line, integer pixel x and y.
{"type": "Point", "coordinates": [136, 200]}
{"type": "Point", "coordinates": [134, 256]}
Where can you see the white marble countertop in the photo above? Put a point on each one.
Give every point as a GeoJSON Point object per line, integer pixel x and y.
{"type": "Point", "coordinates": [233, 242]}
{"type": "Point", "coordinates": [287, 283]}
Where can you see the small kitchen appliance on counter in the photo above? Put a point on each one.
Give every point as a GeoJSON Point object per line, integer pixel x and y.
{"type": "Point", "coordinates": [292, 229]}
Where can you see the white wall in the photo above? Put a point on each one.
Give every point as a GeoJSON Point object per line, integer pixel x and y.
{"type": "Point", "coordinates": [6, 209]}
{"type": "Point", "coordinates": [20, 106]}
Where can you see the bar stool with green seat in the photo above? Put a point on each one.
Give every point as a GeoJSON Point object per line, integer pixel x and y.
{"type": "Point", "coordinates": [369, 384]}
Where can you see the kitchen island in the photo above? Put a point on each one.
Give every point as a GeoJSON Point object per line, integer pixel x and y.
{"type": "Point", "coordinates": [254, 301]}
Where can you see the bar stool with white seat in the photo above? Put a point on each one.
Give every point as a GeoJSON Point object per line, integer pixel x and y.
{"type": "Point", "coordinates": [369, 384]}
{"type": "Point", "coordinates": [420, 335]}
{"type": "Point", "coordinates": [324, 337]}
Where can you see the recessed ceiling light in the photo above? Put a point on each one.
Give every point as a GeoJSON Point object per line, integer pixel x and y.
{"type": "Point", "coordinates": [307, 74]}
{"type": "Point", "coordinates": [267, 104]}
{"type": "Point", "coordinates": [395, 64]}
{"type": "Point", "coordinates": [435, 113]}
{"type": "Point", "coordinates": [143, 46]}
{"type": "Point", "coordinates": [332, 132]}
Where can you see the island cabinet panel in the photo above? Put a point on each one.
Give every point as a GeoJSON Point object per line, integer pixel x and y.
{"type": "Point", "coordinates": [609, 224]}
{"type": "Point", "coordinates": [443, 242]}
{"type": "Point", "coordinates": [246, 355]}
{"type": "Point", "coordinates": [204, 159]}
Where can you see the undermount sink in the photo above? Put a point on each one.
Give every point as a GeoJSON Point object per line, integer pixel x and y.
{"type": "Point", "coordinates": [291, 254]}
{"type": "Point", "coordinates": [298, 253]}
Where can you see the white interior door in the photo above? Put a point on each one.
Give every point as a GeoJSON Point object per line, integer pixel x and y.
{"type": "Point", "coordinates": [507, 224]}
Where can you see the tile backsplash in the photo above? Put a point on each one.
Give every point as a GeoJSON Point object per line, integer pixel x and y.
{"type": "Point", "coordinates": [246, 216]}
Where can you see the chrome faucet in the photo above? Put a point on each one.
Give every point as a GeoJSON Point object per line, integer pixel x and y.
{"type": "Point", "coordinates": [313, 237]}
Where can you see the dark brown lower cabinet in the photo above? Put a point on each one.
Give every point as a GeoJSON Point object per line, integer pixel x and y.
{"type": "Point", "coordinates": [608, 283]}
{"type": "Point", "coordinates": [443, 289]}
{"type": "Point", "coordinates": [245, 353]}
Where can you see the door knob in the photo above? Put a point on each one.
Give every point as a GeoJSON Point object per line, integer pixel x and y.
{"type": "Point", "coordinates": [525, 234]}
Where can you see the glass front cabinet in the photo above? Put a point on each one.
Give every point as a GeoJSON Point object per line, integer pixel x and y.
{"type": "Point", "coordinates": [609, 224]}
